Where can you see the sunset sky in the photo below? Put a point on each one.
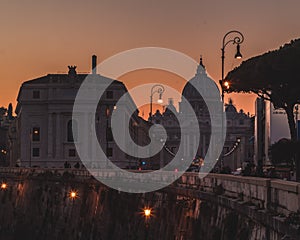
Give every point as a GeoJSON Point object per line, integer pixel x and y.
{"type": "Point", "coordinates": [41, 37]}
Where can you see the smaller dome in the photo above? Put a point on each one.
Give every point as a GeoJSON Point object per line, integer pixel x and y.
{"type": "Point", "coordinates": [170, 109]}
{"type": "Point", "coordinates": [230, 108]}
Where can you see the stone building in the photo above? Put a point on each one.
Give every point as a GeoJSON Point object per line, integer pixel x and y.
{"type": "Point", "coordinates": [44, 120]}
{"type": "Point", "coordinates": [238, 147]}
{"type": "Point", "coordinates": [6, 120]}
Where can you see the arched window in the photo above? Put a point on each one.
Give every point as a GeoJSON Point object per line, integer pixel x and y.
{"type": "Point", "coordinates": [36, 134]}
{"type": "Point", "coordinates": [72, 135]}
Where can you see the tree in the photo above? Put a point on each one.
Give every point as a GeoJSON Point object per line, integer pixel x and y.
{"type": "Point", "coordinates": [284, 151]}
{"type": "Point", "coordinates": [274, 76]}
{"type": "Point", "coordinates": [10, 112]}
{"type": "Point", "coordinates": [2, 113]}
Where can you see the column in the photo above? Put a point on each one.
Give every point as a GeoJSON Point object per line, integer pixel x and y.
{"type": "Point", "coordinates": [50, 136]}
{"type": "Point", "coordinates": [58, 140]}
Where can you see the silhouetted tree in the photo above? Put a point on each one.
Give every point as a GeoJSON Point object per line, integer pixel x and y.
{"type": "Point", "coordinates": [283, 151]}
{"type": "Point", "coordinates": [274, 76]}
{"type": "Point", "coordinates": [3, 111]}
{"type": "Point", "coordinates": [10, 112]}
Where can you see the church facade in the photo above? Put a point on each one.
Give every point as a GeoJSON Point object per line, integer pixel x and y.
{"type": "Point", "coordinates": [238, 147]}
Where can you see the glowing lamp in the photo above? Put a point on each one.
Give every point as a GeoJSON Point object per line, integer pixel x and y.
{"type": "Point", "coordinates": [3, 185]}
{"type": "Point", "coordinates": [238, 54]}
{"type": "Point", "coordinates": [73, 194]}
{"type": "Point", "coordinates": [147, 212]}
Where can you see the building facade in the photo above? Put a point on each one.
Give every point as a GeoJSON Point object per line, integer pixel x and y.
{"type": "Point", "coordinates": [46, 130]}
{"type": "Point", "coordinates": [238, 147]}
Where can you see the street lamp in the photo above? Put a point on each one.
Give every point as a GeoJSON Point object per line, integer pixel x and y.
{"type": "Point", "coordinates": [3, 186]}
{"type": "Point", "coordinates": [237, 38]}
{"type": "Point", "coordinates": [147, 212]}
{"type": "Point", "coordinates": [157, 88]}
{"type": "Point", "coordinates": [73, 194]}
{"type": "Point", "coordinates": [107, 113]}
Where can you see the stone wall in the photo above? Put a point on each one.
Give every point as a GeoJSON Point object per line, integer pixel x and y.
{"type": "Point", "coordinates": [36, 205]}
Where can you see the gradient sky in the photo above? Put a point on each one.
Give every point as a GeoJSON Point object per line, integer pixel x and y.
{"type": "Point", "coordinates": [41, 37]}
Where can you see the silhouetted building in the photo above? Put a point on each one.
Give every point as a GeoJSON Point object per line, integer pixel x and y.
{"type": "Point", "coordinates": [6, 120]}
{"type": "Point", "coordinates": [44, 120]}
{"type": "Point", "coordinates": [238, 147]}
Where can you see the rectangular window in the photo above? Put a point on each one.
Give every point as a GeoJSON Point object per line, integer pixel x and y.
{"type": "Point", "coordinates": [35, 152]}
{"type": "Point", "coordinates": [109, 135]}
{"type": "Point", "coordinates": [36, 134]}
{"type": "Point", "coordinates": [72, 153]}
{"type": "Point", "coordinates": [36, 94]}
{"type": "Point", "coordinates": [109, 152]}
{"type": "Point", "coordinates": [109, 94]}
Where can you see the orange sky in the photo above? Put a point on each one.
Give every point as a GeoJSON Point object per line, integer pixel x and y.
{"type": "Point", "coordinates": [41, 37]}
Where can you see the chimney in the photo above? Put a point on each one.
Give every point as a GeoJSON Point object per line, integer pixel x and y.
{"type": "Point", "coordinates": [94, 64]}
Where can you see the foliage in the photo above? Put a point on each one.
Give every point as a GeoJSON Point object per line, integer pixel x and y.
{"type": "Point", "coordinates": [274, 76]}
{"type": "Point", "coordinates": [284, 151]}
{"type": "Point", "coordinates": [3, 111]}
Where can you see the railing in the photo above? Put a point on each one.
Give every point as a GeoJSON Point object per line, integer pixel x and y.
{"type": "Point", "coordinates": [270, 194]}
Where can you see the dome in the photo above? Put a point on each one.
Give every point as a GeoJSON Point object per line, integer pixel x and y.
{"type": "Point", "coordinates": [199, 81]}
{"type": "Point", "coordinates": [170, 109]}
{"type": "Point", "coordinates": [230, 108]}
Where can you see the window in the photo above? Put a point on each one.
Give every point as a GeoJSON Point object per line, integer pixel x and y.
{"type": "Point", "coordinates": [109, 135]}
{"type": "Point", "coordinates": [36, 94]}
{"type": "Point", "coordinates": [241, 121]}
{"type": "Point", "coordinates": [35, 134]}
{"type": "Point", "coordinates": [109, 94]}
{"type": "Point", "coordinates": [72, 152]}
{"type": "Point", "coordinates": [72, 130]}
{"type": "Point", "coordinates": [109, 152]}
{"type": "Point", "coordinates": [35, 152]}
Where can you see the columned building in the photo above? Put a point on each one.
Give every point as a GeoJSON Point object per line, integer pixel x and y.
{"type": "Point", "coordinates": [238, 147]}
{"type": "Point", "coordinates": [44, 120]}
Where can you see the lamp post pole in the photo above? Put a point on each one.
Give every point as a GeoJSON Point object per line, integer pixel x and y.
{"type": "Point", "coordinates": [237, 38]}
{"type": "Point", "coordinates": [107, 113]}
{"type": "Point", "coordinates": [157, 88]}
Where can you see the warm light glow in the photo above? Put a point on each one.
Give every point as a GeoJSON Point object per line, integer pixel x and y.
{"type": "Point", "coordinates": [147, 212]}
{"type": "Point", "coordinates": [3, 185]}
{"type": "Point", "coordinates": [238, 54]}
{"type": "Point", "coordinates": [226, 84]}
{"type": "Point", "coordinates": [160, 101]}
{"type": "Point", "coordinates": [73, 194]}
{"type": "Point", "coordinates": [36, 132]}
{"type": "Point", "coordinates": [107, 111]}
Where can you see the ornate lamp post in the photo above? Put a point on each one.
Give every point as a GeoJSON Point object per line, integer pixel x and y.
{"type": "Point", "coordinates": [107, 114]}
{"type": "Point", "coordinates": [157, 88]}
{"type": "Point", "coordinates": [237, 38]}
